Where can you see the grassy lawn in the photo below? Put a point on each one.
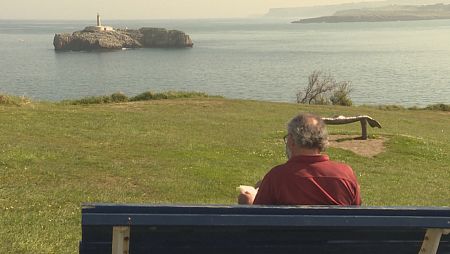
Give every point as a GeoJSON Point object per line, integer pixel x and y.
{"type": "Point", "coordinates": [54, 157]}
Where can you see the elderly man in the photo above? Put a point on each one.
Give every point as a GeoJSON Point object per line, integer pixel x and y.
{"type": "Point", "coordinates": [308, 177]}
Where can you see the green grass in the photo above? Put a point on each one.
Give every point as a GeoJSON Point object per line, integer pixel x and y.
{"type": "Point", "coordinates": [53, 157]}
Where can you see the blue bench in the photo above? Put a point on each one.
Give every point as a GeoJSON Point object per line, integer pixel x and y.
{"type": "Point", "coordinates": [112, 228]}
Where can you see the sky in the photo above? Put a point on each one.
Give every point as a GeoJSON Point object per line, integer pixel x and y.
{"type": "Point", "coordinates": [146, 9]}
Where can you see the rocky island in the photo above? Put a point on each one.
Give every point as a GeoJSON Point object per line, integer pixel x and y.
{"type": "Point", "coordinates": [104, 37]}
{"type": "Point", "coordinates": [386, 13]}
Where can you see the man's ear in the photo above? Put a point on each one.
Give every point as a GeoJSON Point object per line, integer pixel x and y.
{"type": "Point", "coordinates": [293, 147]}
{"type": "Point", "coordinates": [291, 142]}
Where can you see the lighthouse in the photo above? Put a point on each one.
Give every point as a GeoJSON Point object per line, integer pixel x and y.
{"type": "Point", "coordinates": [99, 22]}
{"type": "Point", "coordinates": [98, 27]}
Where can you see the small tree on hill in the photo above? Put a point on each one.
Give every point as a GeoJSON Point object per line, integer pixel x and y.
{"type": "Point", "coordinates": [324, 89]}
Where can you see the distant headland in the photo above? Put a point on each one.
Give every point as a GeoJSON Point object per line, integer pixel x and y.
{"type": "Point", "coordinates": [386, 13]}
{"type": "Point", "coordinates": [105, 37]}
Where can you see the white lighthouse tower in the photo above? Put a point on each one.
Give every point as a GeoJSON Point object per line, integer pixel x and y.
{"type": "Point", "coordinates": [99, 22]}
{"type": "Point", "coordinates": [98, 27]}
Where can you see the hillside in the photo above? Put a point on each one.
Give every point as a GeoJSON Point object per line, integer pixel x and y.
{"type": "Point", "coordinates": [328, 10]}
{"type": "Point", "coordinates": [186, 151]}
{"type": "Point", "coordinates": [386, 13]}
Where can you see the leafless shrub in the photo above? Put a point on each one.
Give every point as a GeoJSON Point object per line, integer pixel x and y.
{"type": "Point", "coordinates": [324, 89]}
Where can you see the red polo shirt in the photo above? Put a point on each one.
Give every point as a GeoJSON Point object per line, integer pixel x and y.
{"type": "Point", "coordinates": [309, 180]}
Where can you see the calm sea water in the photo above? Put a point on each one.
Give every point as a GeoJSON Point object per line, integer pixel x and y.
{"type": "Point", "coordinates": [404, 63]}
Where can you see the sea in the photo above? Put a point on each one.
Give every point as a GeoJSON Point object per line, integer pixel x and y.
{"type": "Point", "coordinates": [403, 63]}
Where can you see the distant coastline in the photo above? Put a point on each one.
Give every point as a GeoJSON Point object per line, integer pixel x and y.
{"type": "Point", "coordinates": [386, 13]}
{"type": "Point", "coordinates": [313, 11]}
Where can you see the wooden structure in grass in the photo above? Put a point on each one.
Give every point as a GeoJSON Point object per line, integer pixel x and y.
{"type": "Point", "coordinates": [352, 119]}
{"type": "Point", "coordinates": [119, 229]}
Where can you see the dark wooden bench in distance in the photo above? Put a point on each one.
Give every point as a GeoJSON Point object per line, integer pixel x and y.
{"type": "Point", "coordinates": [109, 228]}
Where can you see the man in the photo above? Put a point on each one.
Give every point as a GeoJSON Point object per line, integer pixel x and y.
{"type": "Point", "coordinates": [308, 177]}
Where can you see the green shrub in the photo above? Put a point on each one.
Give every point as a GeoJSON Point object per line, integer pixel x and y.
{"type": "Point", "coordinates": [391, 107]}
{"type": "Point", "coordinates": [89, 100]}
{"type": "Point", "coordinates": [341, 95]}
{"type": "Point", "coordinates": [146, 96]}
{"type": "Point", "coordinates": [13, 100]}
{"type": "Point", "coordinates": [414, 108]}
{"type": "Point", "coordinates": [435, 107]}
{"type": "Point", "coordinates": [119, 97]}
{"type": "Point", "coordinates": [439, 107]}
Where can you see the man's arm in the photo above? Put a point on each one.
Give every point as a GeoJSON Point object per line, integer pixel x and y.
{"type": "Point", "coordinates": [358, 195]}
{"type": "Point", "coordinates": [265, 195]}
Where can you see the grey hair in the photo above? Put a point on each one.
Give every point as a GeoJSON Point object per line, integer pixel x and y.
{"type": "Point", "coordinates": [308, 131]}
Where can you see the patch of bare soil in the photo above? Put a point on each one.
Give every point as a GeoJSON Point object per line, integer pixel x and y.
{"type": "Point", "coordinates": [366, 148]}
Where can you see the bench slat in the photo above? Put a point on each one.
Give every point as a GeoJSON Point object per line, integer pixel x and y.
{"type": "Point", "coordinates": [263, 220]}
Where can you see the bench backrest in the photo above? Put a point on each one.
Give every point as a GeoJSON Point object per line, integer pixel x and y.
{"type": "Point", "coordinates": [256, 229]}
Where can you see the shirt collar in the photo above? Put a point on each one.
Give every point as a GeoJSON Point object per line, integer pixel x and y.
{"type": "Point", "coordinates": [310, 158]}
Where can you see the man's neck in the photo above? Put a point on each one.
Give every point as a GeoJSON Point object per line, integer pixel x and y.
{"type": "Point", "coordinates": [306, 152]}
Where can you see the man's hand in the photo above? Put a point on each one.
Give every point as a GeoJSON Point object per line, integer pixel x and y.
{"type": "Point", "coordinates": [246, 198]}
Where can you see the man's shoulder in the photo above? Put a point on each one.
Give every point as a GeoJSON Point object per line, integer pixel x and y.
{"type": "Point", "coordinates": [326, 167]}
{"type": "Point", "coordinates": [337, 164]}
{"type": "Point", "coordinates": [325, 164]}
{"type": "Point", "coordinates": [339, 169]}
{"type": "Point", "coordinates": [277, 169]}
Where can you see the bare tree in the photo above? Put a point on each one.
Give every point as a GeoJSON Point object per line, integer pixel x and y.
{"type": "Point", "coordinates": [323, 89]}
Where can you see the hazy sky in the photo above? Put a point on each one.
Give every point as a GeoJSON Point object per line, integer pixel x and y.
{"type": "Point", "coordinates": [145, 9]}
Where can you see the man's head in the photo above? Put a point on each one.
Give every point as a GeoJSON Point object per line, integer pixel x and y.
{"type": "Point", "coordinates": [306, 132]}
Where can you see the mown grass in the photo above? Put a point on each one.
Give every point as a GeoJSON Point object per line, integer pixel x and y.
{"type": "Point", "coordinates": [53, 157]}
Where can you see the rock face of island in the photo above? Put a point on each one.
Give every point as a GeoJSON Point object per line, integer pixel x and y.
{"type": "Point", "coordinates": [92, 39]}
{"type": "Point", "coordinates": [386, 13]}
